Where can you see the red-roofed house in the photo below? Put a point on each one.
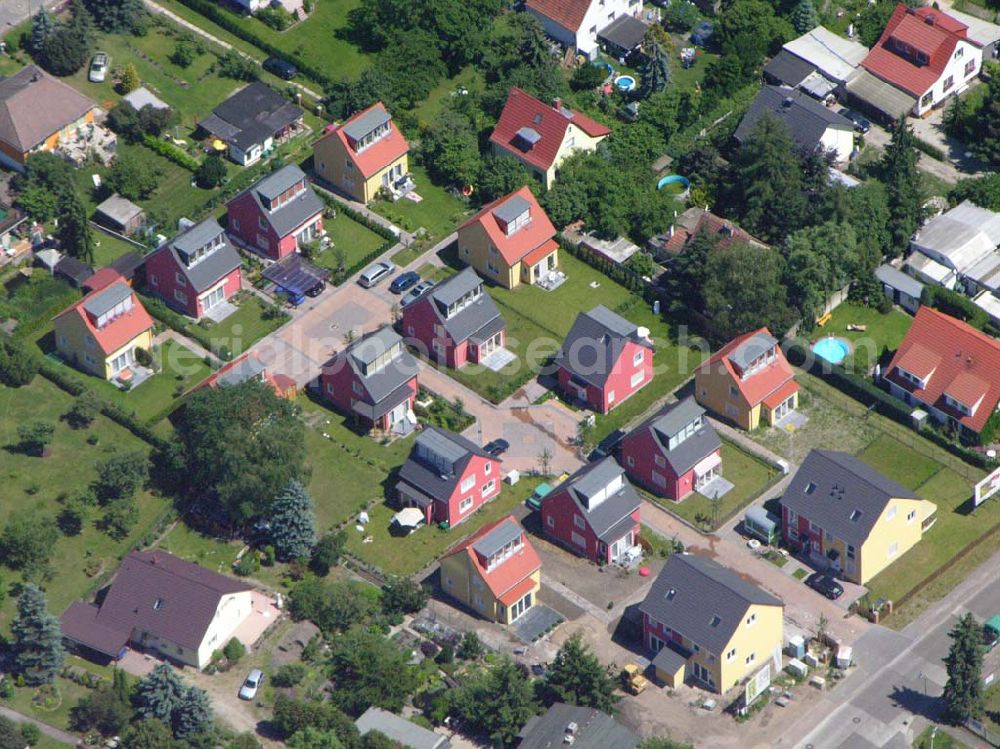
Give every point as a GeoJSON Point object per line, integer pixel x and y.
{"type": "Point", "coordinates": [748, 381]}
{"type": "Point", "coordinates": [101, 333]}
{"type": "Point", "coordinates": [691, 223]}
{"type": "Point", "coordinates": [576, 23]}
{"type": "Point", "coordinates": [949, 368]}
{"type": "Point", "coordinates": [541, 136]}
{"type": "Point", "coordinates": [495, 572]}
{"type": "Point", "coordinates": [924, 53]}
{"type": "Point", "coordinates": [364, 154]}
{"type": "Point", "coordinates": [510, 241]}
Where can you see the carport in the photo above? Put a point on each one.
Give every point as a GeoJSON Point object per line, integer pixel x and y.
{"type": "Point", "coordinates": [623, 36]}
{"type": "Point", "coordinates": [879, 98]}
{"type": "Point", "coordinates": [294, 276]}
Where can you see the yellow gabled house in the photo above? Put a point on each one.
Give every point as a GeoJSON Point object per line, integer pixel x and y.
{"type": "Point", "coordinates": [102, 333]}
{"type": "Point", "coordinates": [708, 626]}
{"type": "Point", "coordinates": [850, 518]}
{"type": "Point", "coordinates": [495, 572]}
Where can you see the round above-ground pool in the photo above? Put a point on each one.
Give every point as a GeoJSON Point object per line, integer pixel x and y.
{"type": "Point", "coordinates": [625, 83]}
{"type": "Point", "coordinates": [832, 349]}
{"type": "Point", "coordinates": [673, 179]}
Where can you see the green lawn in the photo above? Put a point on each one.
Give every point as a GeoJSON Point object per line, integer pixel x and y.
{"type": "Point", "coordinates": [934, 738]}
{"type": "Point", "coordinates": [208, 551]}
{"type": "Point", "coordinates": [240, 330]}
{"type": "Point", "coordinates": [33, 485]}
{"type": "Point", "coordinates": [68, 694]}
{"type": "Point", "coordinates": [356, 240]}
{"type": "Point", "coordinates": [750, 477]}
{"type": "Point", "coordinates": [439, 212]}
{"type": "Point", "coordinates": [469, 78]}
{"type": "Point", "coordinates": [898, 462]}
{"type": "Point", "coordinates": [884, 332]}
{"type": "Point", "coordinates": [108, 249]}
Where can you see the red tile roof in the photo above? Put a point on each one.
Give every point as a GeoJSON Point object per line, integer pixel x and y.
{"type": "Point", "coordinates": [508, 576]}
{"type": "Point", "coordinates": [780, 395]}
{"type": "Point", "coordinates": [541, 252]}
{"type": "Point", "coordinates": [695, 220]}
{"type": "Point", "coordinates": [121, 329]}
{"type": "Point", "coordinates": [102, 278]}
{"type": "Point", "coordinates": [523, 110]}
{"type": "Point", "coordinates": [926, 30]}
{"type": "Point", "coordinates": [537, 234]}
{"type": "Point", "coordinates": [567, 13]}
{"type": "Point", "coordinates": [762, 384]}
{"type": "Point", "coordinates": [967, 365]}
{"type": "Point", "coordinates": [379, 154]}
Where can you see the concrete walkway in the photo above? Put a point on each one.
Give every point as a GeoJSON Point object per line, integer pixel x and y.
{"type": "Point", "coordinates": [190, 343]}
{"type": "Point", "coordinates": [52, 732]}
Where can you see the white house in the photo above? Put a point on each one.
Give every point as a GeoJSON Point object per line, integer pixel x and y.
{"type": "Point", "coordinates": [576, 23]}
{"type": "Point", "coordinates": [958, 250]}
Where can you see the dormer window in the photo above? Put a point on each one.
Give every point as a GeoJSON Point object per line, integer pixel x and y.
{"type": "Point", "coordinates": [157, 604]}
{"type": "Point", "coordinates": [716, 621]}
{"type": "Point", "coordinates": [518, 223]}
{"type": "Point", "coordinates": [372, 136]}
{"type": "Point", "coordinates": [810, 488]}
{"type": "Point", "coordinates": [920, 383]}
{"type": "Point", "coordinates": [684, 434]}
{"type": "Point", "coordinates": [509, 549]}
{"type": "Point", "coordinates": [114, 313]}
{"type": "Point", "coordinates": [380, 361]}
{"type": "Point", "coordinates": [462, 302]}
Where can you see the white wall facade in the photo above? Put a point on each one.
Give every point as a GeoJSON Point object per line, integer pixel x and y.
{"type": "Point", "coordinates": [232, 611]}
{"type": "Point", "coordinates": [598, 16]}
{"type": "Point", "coordinates": [839, 141]}
{"type": "Point", "coordinates": [958, 70]}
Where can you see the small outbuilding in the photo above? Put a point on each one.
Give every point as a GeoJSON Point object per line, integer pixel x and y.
{"type": "Point", "coordinates": [75, 271]}
{"type": "Point", "coordinates": [143, 97]}
{"type": "Point", "coordinates": [120, 215]}
{"type": "Point", "coordinates": [669, 666]}
{"type": "Point", "coordinates": [762, 525]}
{"type": "Point", "coordinates": [623, 36]}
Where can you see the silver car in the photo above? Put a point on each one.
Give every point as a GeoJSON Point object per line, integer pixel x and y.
{"type": "Point", "coordinates": [249, 689]}
{"type": "Point", "coordinates": [99, 68]}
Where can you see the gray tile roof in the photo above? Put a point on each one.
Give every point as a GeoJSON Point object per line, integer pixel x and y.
{"type": "Point", "coordinates": [247, 369]}
{"type": "Point", "coordinates": [107, 298]}
{"type": "Point", "coordinates": [251, 115]}
{"type": "Point", "coordinates": [497, 538]}
{"type": "Point", "coordinates": [594, 344]}
{"type": "Point", "coordinates": [290, 216]}
{"type": "Point", "coordinates": [360, 126]}
{"type": "Point", "coordinates": [594, 730]}
{"type": "Point", "coordinates": [400, 730]}
{"type": "Point", "coordinates": [669, 659]}
{"type": "Point", "coordinates": [384, 389]}
{"type": "Point", "coordinates": [217, 264]}
{"type": "Point", "coordinates": [625, 32]}
{"type": "Point", "coordinates": [806, 118]}
{"type": "Point", "coordinates": [606, 515]}
{"type": "Point", "coordinates": [830, 488]}
{"type": "Point", "coordinates": [478, 320]}
{"type": "Point", "coordinates": [511, 209]}
{"type": "Point", "coordinates": [691, 591]}
{"type": "Point", "coordinates": [752, 348]}
{"type": "Point", "coordinates": [197, 236]}
{"type": "Point", "coordinates": [428, 479]}
{"type": "Point", "coordinates": [670, 421]}
{"type": "Point", "coordinates": [275, 183]}
{"type": "Point", "coordinates": [119, 209]}
{"type": "Point", "coordinates": [899, 280]}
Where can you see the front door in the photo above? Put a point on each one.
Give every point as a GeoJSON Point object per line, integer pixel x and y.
{"type": "Point", "coordinates": [620, 546]}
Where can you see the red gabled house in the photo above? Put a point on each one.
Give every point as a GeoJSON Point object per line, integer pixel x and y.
{"type": "Point", "coordinates": [456, 321]}
{"type": "Point", "coordinates": [447, 477]}
{"type": "Point", "coordinates": [594, 513]}
{"type": "Point", "coordinates": [604, 360]}
{"type": "Point", "coordinates": [277, 214]}
{"type": "Point", "coordinates": [374, 382]}
{"type": "Point", "coordinates": [195, 271]}
{"type": "Point", "coordinates": [675, 452]}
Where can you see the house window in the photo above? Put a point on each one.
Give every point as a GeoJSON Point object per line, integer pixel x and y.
{"type": "Point", "coordinates": [579, 522]}
{"type": "Point", "coordinates": [578, 539]}
{"type": "Point", "coordinates": [261, 223]}
{"type": "Point", "coordinates": [356, 387]}
{"type": "Point", "coordinates": [154, 280]}
{"type": "Point", "coordinates": [659, 479]}
{"type": "Point", "coordinates": [890, 513]}
{"type": "Point", "coordinates": [465, 504]}
{"type": "Point", "coordinates": [751, 620]}
{"type": "Point", "coordinates": [631, 461]}
{"type": "Point", "coordinates": [89, 339]}
{"type": "Point", "coordinates": [959, 52]}
{"type": "Point", "coordinates": [751, 658]}
{"type": "Point", "coordinates": [733, 391]}
{"type": "Point", "coordinates": [970, 68]}
{"type": "Point", "coordinates": [551, 521]}
{"type": "Point", "coordinates": [488, 487]}
{"type": "Point", "coordinates": [656, 644]}
{"type": "Point", "coordinates": [731, 654]}
{"type": "Point", "coordinates": [467, 484]}
{"type": "Point", "coordinates": [927, 100]}
{"type": "Point", "coordinates": [637, 378]}
{"type": "Point", "coordinates": [180, 296]}
{"type": "Point", "coordinates": [893, 549]}
{"type": "Point", "coordinates": [329, 388]}
{"type": "Point", "coordinates": [637, 359]}
{"type": "Point", "coordinates": [911, 516]}
{"type": "Point", "coordinates": [660, 461]}
{"type": "Point", "coordinates": [236, 224]}
{"type": "Point", "coordinates": [949, 82]}
{"type": "Point", "coordinates": [814, 528]}
{"type": "Point", "coordinates": [409, 330]}
{"type": "Point", "coordinates": [181, 281]}
{"type": "Point", "coordinates": [262, 241]}
{"type": "Point", "coordinates": [465, 251]}
{"type": "Point", "coordinates": [488, 468]}
{"type": "Point", "coordinates": [611, 396]}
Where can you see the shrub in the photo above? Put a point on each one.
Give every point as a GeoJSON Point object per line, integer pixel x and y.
{"type": "Point", "coordinates": [30, 733]}
{"type": "Point", "coordinates": [277, 18]}
{"type": "Point", "coordinates": [212, 172]}
{"type": "Point", "coordinates": [236, 66]}
{"type": "Point", "coordinates": [289, 675]}
{"type": "Point", "coordinates": [247, 565]}
{"type": "Point", "coordinates": [171, 152]}
{"type": "Point", "coordinates": [183, 54]}
{"type": "Point", "coordinates": [234, 650]}
{"type": "Point", "coordinates": [144, 358]}
{"type": "Point", "coordinates": [18, 364]}
{"type": "Point", "coordinates": [84, 410]}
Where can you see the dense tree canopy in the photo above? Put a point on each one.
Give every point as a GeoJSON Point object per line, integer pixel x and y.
{"type": "Point", "coordinates": [904, 187]}
{"type": "Point", "coordinates": [578, 678]}
{"type": "Point", "coordinates": [963, 692]}
{"type": "Point", "coordinates": [367, 670]}
{"type": "Point", "coordinates": [496, 702]}
{"type": "Point", "coordinates": [819, 260]}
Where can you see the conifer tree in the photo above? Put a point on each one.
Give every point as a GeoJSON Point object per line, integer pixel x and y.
{"type": "Point", "coordinates": [38, 650]}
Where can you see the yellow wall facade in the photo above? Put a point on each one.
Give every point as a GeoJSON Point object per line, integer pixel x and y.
{"type": "Point", "coordinates": [143, 340]}
{"type": "Point", "coordinates": [760, 633]}
{"type": "Point", "coordinates": [536, 578]}
{"type": "Point", "coordinates": [461, 580]}
{"type": "Point", "coordinates": [713, 390]}
{"type": "Point", "coordinates": [332, 163]}
{"type": "Point", "coordinates": [574, 140]}
{"type": "Point", "coordinates": [71, 343]}
{"type": "Point", "coordinates": [892, 536]}
{"type": "Point", "coordinates": [476, 249]}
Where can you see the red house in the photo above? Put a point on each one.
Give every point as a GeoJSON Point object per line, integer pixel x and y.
{"type": "Point", "coordinates": [455, 322]}
{"type": "Point", "coordinates": [595, 513]}
{"type": "Point", "coordinates": [604, 359]}
{"type": "Point", "coordinates": [374, 381]}
{"type": "Point", "coordinates": [277, 214]}
{"type": "Point", "coordinates": [195, 271]}
{"type": "Point", "coordinates": [447, 477]}
{"type": "Point", "coordinates": [675, 452]}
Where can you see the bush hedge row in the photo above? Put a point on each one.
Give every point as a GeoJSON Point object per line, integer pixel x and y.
{"type": "Point", "coordinates": [171, 152]}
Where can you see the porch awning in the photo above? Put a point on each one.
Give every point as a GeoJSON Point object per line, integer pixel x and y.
{"type": "Point", "coordinates": [782, 394]}
{"type": "Point", "coordinates": [518, 592]}
{"type": "Point", "coordinates": [541, 252]}
{"type": "Point", "coordinates": [707, 464]}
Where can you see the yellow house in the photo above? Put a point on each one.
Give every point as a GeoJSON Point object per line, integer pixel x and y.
{"type": "Point", "coordinates": [541, 136]}
{"type": "Point", "coordinates": [709, 626]}
{"type": "Point", "coordinates": [495, 572]}
{"type": "Point", "coordinates": [850, 518]}
{"type": "Point", "coordinates": [365, 154]}
{"type": "Point", "coordinates": [748, 381]}
{"type": "Point", "coordinates": [510, 241]}
{"type": "Point", "coordinates": [101, 333]}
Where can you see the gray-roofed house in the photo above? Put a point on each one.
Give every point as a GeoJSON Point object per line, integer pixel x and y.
{"type": "Point", "coordinates": [397, 728]}
{"type": "Point", "coordinates": [819, 62]}
{"type": "Point", "coordinates": [900, 288]}
{"type": "Point", "coordinates": [565, 725]}
{"type": "Point", "coordinates": [623, 37]}
{"type": "Point", "coordinates": [447, 476]}
{"type": "Point", "coordinates": [252, 121]}
{"type": "Point", "coordinates": [604, 359]}
{"type": "Point", "coordinates": [595, 513]}
{"type": "Point", "coordinates": [717, 627]}
{"type": "Point", "coordinates": [456, 322]}
{"type": "Point", "coordinates": [849, 517]}
{"type": "Point", "coordinates": [73, 270]}
{"type": "Point", "coordinates": [277, 214]}
{"type": "Point", "coordinates": [120, 214]}
{"type": "Point", "coordinates": [374, 381]}
{"type": "Point", "coordinates": [812, 126]}
{"type": "Point", "coordinates": [675, 452]}
{"type": "Point", "coordinates": [161, 604]}
{"type": "Point", "coordinates": [197, 271]}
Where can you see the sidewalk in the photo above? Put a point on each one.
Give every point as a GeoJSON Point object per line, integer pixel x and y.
{"type": "Point", "coordinates": [189, 343]}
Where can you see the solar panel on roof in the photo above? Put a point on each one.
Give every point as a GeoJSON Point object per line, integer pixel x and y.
{"type": "Point", "coordinates": [529, 135]}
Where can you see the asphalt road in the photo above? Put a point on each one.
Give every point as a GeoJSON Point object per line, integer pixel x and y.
{"type": "Point", "coordinates": [12, 12]}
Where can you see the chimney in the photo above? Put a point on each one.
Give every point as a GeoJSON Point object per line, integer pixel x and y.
{"type": "Point", "coordinates": [557, 104]}
{"type": "Point", "coordinates": [929, 19]}
{"type": "Point", "coordinates": [787, 102]}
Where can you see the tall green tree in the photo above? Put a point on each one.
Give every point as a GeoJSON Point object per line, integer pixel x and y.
{"type": "Point", "coordinates": [314, 738]}
{"type": "Point", "coordinates": [27, 541]}
{"type": "Point", "coordinates": [368, 669]}
{"type": "Point", "coordinates": [131, 179]}
{"type": "Point", "coordinates": [578, 678]}
{"type": "Point", "coordinates": [102, 710]}
{"type": "Point", "coordinates": [903, 185]}
{"type": "Point", "coordinates": [119, 476]}
{"type": "Point", "coordinates": [963, 692]}
{"type": "Point", "coordinates": [655, 72]}
{"type": "Point", "coordinates": [193, 716]}
{"type": "Point", "coordinates": [10, 735]}
{"type": "Point", "coordinates": [450, 147]}
{"type": "Point", "coordinates": [804, 17]}
{"type": "Point", "coordinates": [820, 260]}
{"type": "Point", "coordinates": [18, 363]}
{"type": "Point", "coordinates": [149, 733]}
{"type": "Point", "coordinates": [496, 702]}
{"type": "Point", "coordinates": [119, 16]}
{"type": "Point", "coordinates": [42, 26]}
{"type": "Point", "coordinates": [75, 235]}
{"type": "Point", "coordinates": [159, 695]}
{"type": "Point", "coordinates": [293, 523]}
{"type": "Point", "coordinates": [500, 175]}
{"type": "Point", "coordinates": [37, 646]}
{"type": "Point", "coordinates": [403, 595]}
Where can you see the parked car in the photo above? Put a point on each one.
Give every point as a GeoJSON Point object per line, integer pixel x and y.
{"type": "Point", "coordinates": [99, 68]}
{"type": "Point", "coordinates": [281, 68]}
{"type": "Point", "coordinates": [415, 293]}
{"type": "Point", "coordinates": [826, 585]}
{"type": "Point", "coordinates": [249, 689]}
{"type": "Point", "coordinates": [861, 124]}
{"type": "Point", "coordinates": [496, 448]}
{"type": "Point", "coordinates": [404, 281]}
{"type": "Point", "coordinates": [316, 290]}
{"type": "Point", "coordinates": [991, 633]}
{"type": "Point", "coordinates": [376, 273]}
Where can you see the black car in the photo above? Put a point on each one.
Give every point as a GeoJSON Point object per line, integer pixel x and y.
{"type": "Point", "coordinates": [404, 281]}
{"type": "Point", "coordinates": [496, 448]}
{"type": "Point", "coordinates": [316, 290]}
{"type": "Point", "coordinates": [281, 68]}
{"type": "Point", "coordinates": [825, 584]}
{"type": "Point", "coordinates": [861, 124]}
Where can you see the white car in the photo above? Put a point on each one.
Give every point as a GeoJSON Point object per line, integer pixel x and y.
{"type": "Point", "coordinates": [99, 68]}
{"type": "Point", "coordinates": [415, 293]}
{"type": "Point", "coordinates": [249, 689]}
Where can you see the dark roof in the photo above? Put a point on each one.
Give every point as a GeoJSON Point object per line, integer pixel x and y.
{"type": "Point", "coordinates": [294, 273]}
{"type": "Point", "coordinates": [251, 115]}
{"type": "Point", "coordinates": [670, 658]}
{"type": "Point", "coordinates": [899, 280]}
{"type": "Point", "coordinates": [789, 69]}
{"type": "Point", "coordinates": [606, 515]}
{"type": "Point", "coordinates": [478, 320]}
{"type": "Point", "coordinates": [807, 119]}
{"type": "Point", "coordinates": [672, 419]}
{"type": "Point", "coordinates": [625, 32]}
{"type": "Point", "coordinates": [128, 264]}
{"type": "Point", "coordinates": [79, 624]}
{"type": "Point", "coordinates": [702, 600]}
{"type": "Point", "coordinates": [157, 593]}
{"type": "Point", "coordinates": [75, 270]}
{"type": "Point", "coordinates": [106, 299]}
{"type": "Point", "coordinates": [247, 368]}
{"type": "Point", "coordinates": [288, 217]}
{"type": "Point", "coordinates": [594, 730]}
{"type": "Point", "coordinates": [595, 343]}
{"type": "Point", "coordinates": [217, 264]}
{"type": "Point", "coordinates": [437, 481]}
{"type": "Point", "coordinates": [358, 127]}
{"type": "Point", "coordinates": [35, 105]}
{"type": "Point", "coordinates": [840, 494]}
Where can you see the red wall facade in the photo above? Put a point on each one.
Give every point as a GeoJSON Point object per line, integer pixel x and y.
{"type": "Point", "coordinates": [618, 382]}
{"type": "Point", "coordinates": [162, 279]}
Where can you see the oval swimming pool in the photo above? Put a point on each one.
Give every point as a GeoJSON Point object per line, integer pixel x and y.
{"type": "Point", "coordinates": [833, 350]}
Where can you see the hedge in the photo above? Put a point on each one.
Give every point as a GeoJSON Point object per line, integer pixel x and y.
{"type": "Point", "coordinates": [954, 304]}
{"type": "Point", "coordinates": [171, 152]}
{"type": "Point", "coordinates": [930, 149]}
{"type": "Point", "coordinates": [340, 277]}
{"type": "Point", "coordinates": [615, 271]}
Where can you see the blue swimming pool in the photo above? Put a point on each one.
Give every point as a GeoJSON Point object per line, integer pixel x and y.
{"type": "Point", "coordinates": [833, 350]}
